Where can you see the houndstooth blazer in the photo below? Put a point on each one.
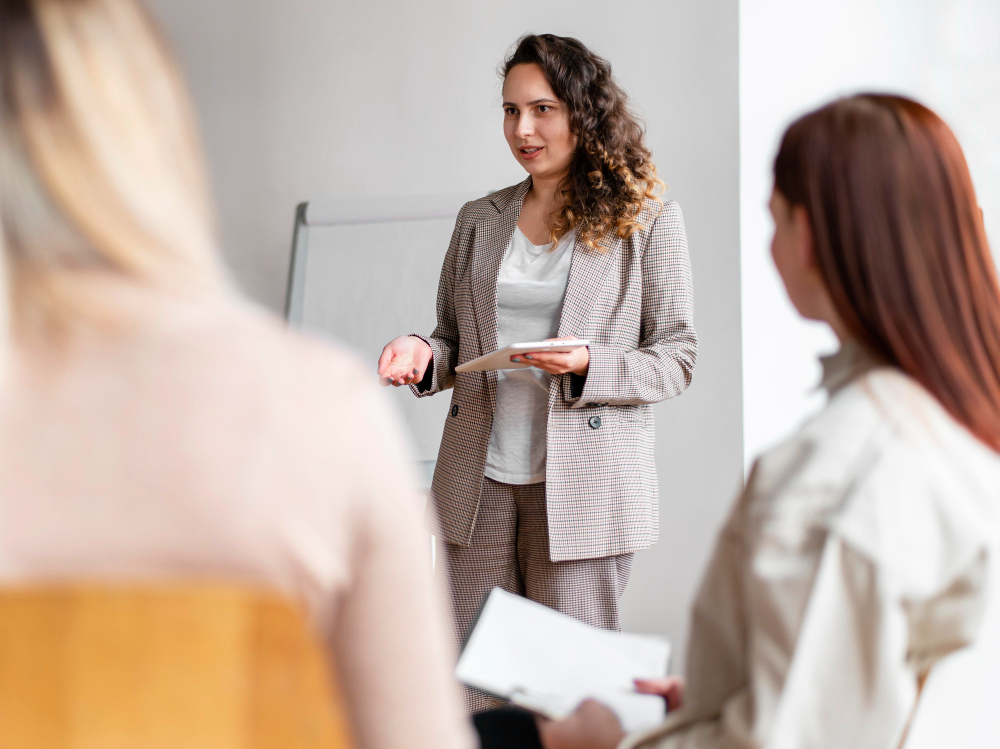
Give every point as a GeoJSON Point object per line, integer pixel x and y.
{"type": "Point", "coordinates": [633, 300]}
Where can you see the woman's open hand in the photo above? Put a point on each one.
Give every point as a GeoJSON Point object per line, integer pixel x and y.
{"type": "Point", "coordinates": [591, 726]}
{"type": "Point", "coordinates": [576, 361]}
{"type": "Point", "coordinates": [404, 361]}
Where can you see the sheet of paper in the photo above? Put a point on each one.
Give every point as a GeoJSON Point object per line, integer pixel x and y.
{"type": "Point", "coordinates": [548, 662]}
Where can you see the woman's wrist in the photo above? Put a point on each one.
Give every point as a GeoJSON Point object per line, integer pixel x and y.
{"type": "Point", "coordinates": [423, 341]}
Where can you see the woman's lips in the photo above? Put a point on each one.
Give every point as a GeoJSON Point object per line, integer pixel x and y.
{"type": "Point", "coordinates": [530, 152]}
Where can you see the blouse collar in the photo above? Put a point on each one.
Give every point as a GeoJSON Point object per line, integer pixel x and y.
{"type": "Point", "coordinates": [849, 363]}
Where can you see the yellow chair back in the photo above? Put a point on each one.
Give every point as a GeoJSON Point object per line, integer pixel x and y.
{"type": "Point", "coordinates": [178, 667]}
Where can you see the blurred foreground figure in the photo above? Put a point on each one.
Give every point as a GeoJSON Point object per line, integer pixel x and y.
{"type": "Point", "coordinates": [153, 425]}
{"type": "Point", "coordinates": [862, 551]}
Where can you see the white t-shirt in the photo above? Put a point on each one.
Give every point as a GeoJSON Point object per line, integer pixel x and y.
{"type": "Point", "coordinates": [531, 286]}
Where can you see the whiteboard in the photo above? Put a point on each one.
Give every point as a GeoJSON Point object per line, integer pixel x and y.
{"type": "Point", "coordinates": [361, 278]}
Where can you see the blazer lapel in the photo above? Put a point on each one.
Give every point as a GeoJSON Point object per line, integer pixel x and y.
{"type": "Point", "coordinates": [488, 250]}
{"type": "Point", "coordinates": [588, 272]}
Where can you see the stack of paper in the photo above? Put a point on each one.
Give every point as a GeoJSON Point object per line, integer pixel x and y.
{"type": "Point", "coordinates": [548, 662]}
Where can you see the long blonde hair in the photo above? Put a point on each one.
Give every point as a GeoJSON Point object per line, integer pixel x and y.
{"type": "Point", "coordinates": [100, 165]}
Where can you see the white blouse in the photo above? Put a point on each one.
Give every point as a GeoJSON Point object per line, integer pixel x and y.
{"type": "Point", "coordinates": [531, 286]}
{"type": "Point", "coordinates": [855, 559]}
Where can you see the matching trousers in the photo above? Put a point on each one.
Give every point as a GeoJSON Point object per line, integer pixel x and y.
{"type": "Point", "coordinates": [510, 550]}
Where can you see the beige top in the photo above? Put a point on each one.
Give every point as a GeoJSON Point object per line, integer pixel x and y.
{"type": "Point", "coordinates": [855, 559]}
{"type": "Point", "coordinates": [205, 441]}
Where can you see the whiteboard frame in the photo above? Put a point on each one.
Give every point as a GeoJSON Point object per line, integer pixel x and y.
{"type": "Point", "coordinates": [348, 213]}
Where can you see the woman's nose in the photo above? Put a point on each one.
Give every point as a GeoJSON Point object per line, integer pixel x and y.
{"type": "Point", "coordinates": [525, 127]}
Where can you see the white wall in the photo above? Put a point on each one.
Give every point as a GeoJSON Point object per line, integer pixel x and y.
{"type": "Point", "coordinates": [797, 55]}
{"type": "Point", "coordinates": [321, 100]}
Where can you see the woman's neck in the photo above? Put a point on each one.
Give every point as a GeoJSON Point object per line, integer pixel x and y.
{"type": "Point", "coordinates": [545, 192]}
{"type": "Point", "coordinates": [541, 204]}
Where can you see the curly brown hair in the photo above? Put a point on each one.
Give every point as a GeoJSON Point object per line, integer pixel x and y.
{"type": "Point", "coordinates": [611, 174]}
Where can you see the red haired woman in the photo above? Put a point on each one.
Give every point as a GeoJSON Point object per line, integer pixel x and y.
{"type": "Point", "coordinates": [857, 556]}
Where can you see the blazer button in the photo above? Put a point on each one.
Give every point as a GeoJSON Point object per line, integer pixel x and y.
{"type": "Point", "coordinates": [454, 411]}
{"type": "Point", "coordinates": [595, 422]}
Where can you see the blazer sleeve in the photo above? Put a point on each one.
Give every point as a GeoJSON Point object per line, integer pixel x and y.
{"type": "Point", "coordinates": [440, 374]}
{"type": "Point", "coordinates": [662, 365]}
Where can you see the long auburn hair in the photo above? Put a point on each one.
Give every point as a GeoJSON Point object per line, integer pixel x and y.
{"type": "Point", "coordinates": [612, 173]}
{"type": "Point", "coordinates": [900, 240]}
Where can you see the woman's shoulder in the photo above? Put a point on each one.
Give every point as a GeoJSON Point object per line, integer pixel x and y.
{"type": "Point", "coordinates": [886, 470]}
{"type": "Point", "coordinates": [491, 204]}
{"type": "Point", "coordinates": [236, 351]}
{"type": "Point", "coordinates": [655, 206]}
{"type": "Point", "coordinates": [658, 214]}
{"type": "Point", "coordinates": [930, 499]}
{"type": "Point", "coordinates": [254, 332]}
{"type": "Point", "coordinates": [304, 391]}
{"type": "Point", "coordinates": [825, 454]}
{"type": "Point", "coordinates": [881, 413]}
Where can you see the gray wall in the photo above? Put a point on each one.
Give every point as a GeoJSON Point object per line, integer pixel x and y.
{"type": "Point", "coordinates": [329, 100]}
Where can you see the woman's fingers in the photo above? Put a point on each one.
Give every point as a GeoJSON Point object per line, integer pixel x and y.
{"type": "Point", "coordinates": [547, 358]}
{"type": "Point", "coordinates": [398, 377]}
{"type": "Point", "coordinates": [591, 726]}
{"type": "Point", "coordinates": [547, 362]}
{"type": "Point", "coordinates": [397, 374]}
{"type": "Point", "coordinates": [670, 688]}
{"type": "Point", "coordinates": [554, 363]}
{"type": "Point", "coordinates": [577, 361]}
{"type": "Point", "coordinates": [385, 359]}
{"type": "Point", "coordinates": [553, 369]}
{"type": "Point", "coordinates": [402, 357]}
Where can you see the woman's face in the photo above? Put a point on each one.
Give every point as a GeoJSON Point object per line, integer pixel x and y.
{"type": "Point", "coordinates": [794, 256]}
{"type": "Point", "coordinates": [536, 123]}
{"type": "Point", "coordinates": [792, 252]}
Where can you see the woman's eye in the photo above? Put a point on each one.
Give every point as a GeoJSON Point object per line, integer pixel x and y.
{"type": "Point", "coordinates": [544, 108]}
{"type": "Point", "coordinates": [510, 111]}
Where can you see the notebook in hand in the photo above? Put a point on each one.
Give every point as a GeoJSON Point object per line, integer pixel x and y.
{"type": "Point", "coordinates": [547, 662]}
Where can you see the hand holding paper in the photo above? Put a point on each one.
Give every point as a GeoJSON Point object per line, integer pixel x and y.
{"type": "Point", "coordinates": [591, 726]}
{"type": "Point", "coordinates": [549, 663]}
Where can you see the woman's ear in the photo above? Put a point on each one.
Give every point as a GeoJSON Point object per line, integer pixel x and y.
{"type": "Point", "coordinates": [805, 247]}
{"type": "Point", "coordinates": [816, 302]}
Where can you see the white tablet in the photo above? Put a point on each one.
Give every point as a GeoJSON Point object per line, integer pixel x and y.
{"type": "Point", "coordinates": [501, 359]}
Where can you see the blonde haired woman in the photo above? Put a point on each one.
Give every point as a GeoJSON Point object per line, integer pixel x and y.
{"type": "Point", "coordinates": [153, 424]}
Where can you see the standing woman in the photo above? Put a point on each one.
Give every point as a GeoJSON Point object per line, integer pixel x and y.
{"type": "Point", "coordinates": [546, 482]}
